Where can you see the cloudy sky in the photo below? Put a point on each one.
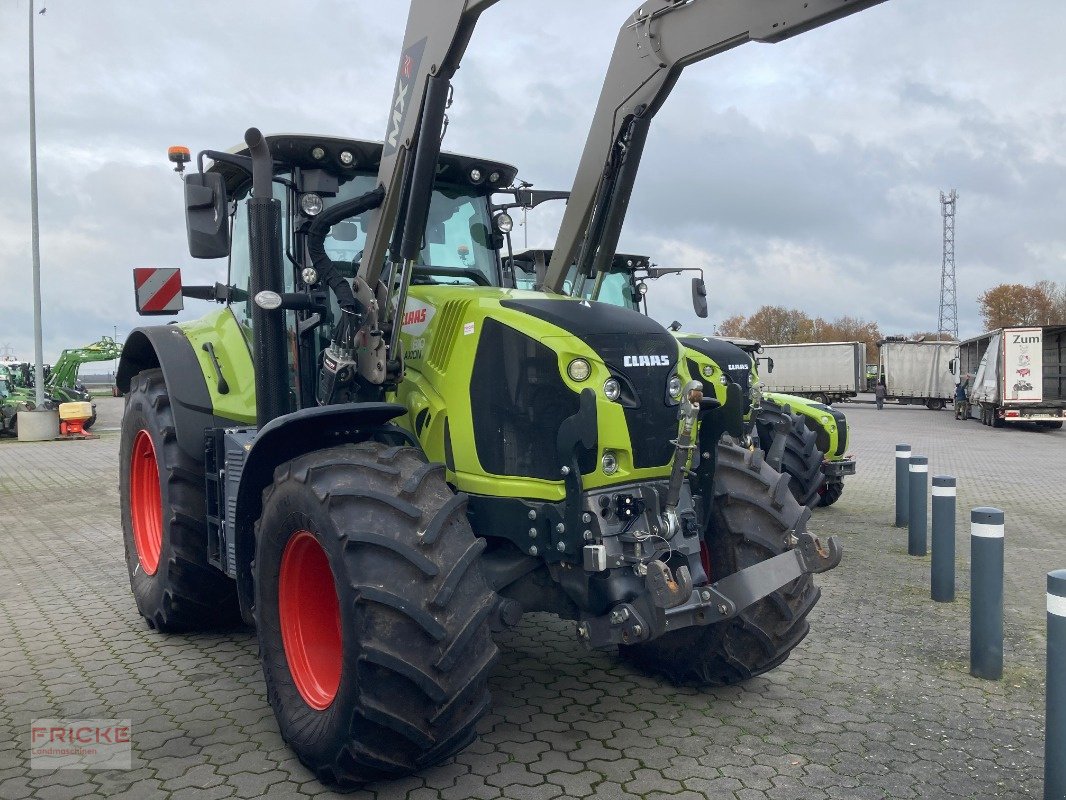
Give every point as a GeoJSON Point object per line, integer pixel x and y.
{"type": "Point", "coordinates": [804, 174]}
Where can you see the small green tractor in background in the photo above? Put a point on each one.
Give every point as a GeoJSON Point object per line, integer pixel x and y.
{"type": "Point", "coordinates": [61, 383]}
{"type": "Point", "coordinates": [15, 396]}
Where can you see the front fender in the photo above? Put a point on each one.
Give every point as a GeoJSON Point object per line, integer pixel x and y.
{"type": "Point", "coordinates": [285, 438]}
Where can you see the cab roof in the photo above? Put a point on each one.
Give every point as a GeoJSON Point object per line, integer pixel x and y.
{"type": "Point", "coordinates": [299, 150]}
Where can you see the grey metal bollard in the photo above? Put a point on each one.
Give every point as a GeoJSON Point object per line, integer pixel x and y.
{"type": "Point", "coordinates": [942, 570]}
{"type": "Point", "coordinates": [1055, 714]}
{"type": "Point", "coordinates": [986, 593]}
{"type": "Point", "coordinates": [903, 454]}
{"type": "Point", "coordinates": [917, 503]}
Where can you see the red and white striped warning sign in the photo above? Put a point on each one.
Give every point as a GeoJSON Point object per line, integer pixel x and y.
{"type": "Point", "coordinates": [158, 290]}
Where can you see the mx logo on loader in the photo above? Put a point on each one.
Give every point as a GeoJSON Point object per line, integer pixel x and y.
{"type": "Point", "coordinates": [409, 64]}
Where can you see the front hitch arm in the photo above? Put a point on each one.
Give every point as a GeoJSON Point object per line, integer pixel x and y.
{"type": "Point", "coordinates": [651, 615]}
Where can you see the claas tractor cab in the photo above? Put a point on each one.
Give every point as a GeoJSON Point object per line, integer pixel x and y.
{"type": "Point", "coordinates": [379, 450]}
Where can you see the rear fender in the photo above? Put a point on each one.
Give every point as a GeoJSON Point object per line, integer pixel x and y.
{"type": "Point", "coordinates": [287, 437]}
{"type": "Point", "coordinates": [167, 347]}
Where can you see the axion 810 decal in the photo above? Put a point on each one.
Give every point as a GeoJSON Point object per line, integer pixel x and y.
{"type": "Point", "coordinates": [416, 318]}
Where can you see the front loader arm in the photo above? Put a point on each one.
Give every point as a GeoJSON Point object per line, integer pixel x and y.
{"type": "Point", "coordinates": [65, 371]}
{"type": "Point", "coordinates": [653, 46]}
{"type": "Point", "coordinates": [437, 35]}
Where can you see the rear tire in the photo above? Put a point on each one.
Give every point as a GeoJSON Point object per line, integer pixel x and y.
{"type": "Point", "coordinates": [163, 527]}
{"type": "Point", "coordinates": [400, 680]}
{"type": "Point", "coordinates": [753, 515]}
{"type": "Point", "coordinates": [1051, 425]}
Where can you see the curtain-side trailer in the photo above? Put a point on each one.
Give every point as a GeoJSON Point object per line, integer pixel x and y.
{"type": "Point", "coordinates": [918, 373]}
{"type": "Point", "coordinates": [1015, 375]}
{"type": "Point", "coordinates": [823, 371]}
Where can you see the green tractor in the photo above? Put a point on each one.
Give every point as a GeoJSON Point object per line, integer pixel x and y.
{"type": "Point", "coordinates": [811, 438]}
{"type": "Point", "coordinates": [815, 442]}
{"type": "Point", "coordinates": [15, 396]}
{"type": "Point", "coordinates": [62, 384]}
{"type": "Point", "coordinates": [8, 405]}
{"type": "Point", "coordinates": [379, 453]}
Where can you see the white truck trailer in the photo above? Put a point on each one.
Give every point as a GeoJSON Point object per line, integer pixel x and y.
{"type": "Point", "coordinates": [823, 371]}
{"type": "Point", "coordinates": [1015, 375]}
{"type": "Point", "coordinates": [918, 373]}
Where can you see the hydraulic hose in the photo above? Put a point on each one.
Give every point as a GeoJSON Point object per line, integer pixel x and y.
{"type": "Point", "coordinates": [316, 244]}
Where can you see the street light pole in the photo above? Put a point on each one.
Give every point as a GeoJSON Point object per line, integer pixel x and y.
{"type": "Point", "coordinates": [38, 343]}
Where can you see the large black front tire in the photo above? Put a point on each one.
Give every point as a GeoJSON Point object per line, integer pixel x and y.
{"type": "Point", "coordinates": [801, 460]}
{"type": "Point", "coordinates": [174, 586]}
{"type": "Point", "coordinates": [410, 664]}
{"type": "Point", "coordinates": [753, 516]}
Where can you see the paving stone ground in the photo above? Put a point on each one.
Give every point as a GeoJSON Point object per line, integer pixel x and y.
{"type": "Point", "coordinates": [876, 703]}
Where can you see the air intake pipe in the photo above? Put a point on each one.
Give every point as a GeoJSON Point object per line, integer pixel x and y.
{"type": "Point", "coordinates": [268, 326]}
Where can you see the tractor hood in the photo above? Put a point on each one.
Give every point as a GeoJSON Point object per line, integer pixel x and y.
{"type": "Point", "coordinates": [731, 360]}
{"type": "Point", "coordinates": [526, 364]}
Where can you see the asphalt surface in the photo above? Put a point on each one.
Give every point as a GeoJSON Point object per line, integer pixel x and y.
{"type": "Point", "coordinates": [877, 702]}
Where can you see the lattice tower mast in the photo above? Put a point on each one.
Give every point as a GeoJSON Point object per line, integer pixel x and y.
{"type": "Point", "coordinates": [948, 321]}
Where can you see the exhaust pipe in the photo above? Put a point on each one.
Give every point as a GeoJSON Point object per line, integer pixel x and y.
{"type": "Point", "coordinates": [268, 326]}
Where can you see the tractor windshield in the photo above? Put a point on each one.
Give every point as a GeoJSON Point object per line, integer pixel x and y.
{"type": "Point", "coordinates": [616, 289]}
{"type": "Point", "coordinates": [458, 247]}
{"type": "Point", "coordinates": [457, 236]}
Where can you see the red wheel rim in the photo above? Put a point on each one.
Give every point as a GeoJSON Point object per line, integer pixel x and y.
{"type": "Point", "coordinates": [146, 503]}
{"type": "Point", "coordinates": [310, 619]}
{"type": "Point", "coordinates": [705, 559]}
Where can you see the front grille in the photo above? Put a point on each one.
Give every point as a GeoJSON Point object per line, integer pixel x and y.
{"type": "Point", "coordinates": [652, 422]}
{"type": "Point", "coordinates": [519, 400]}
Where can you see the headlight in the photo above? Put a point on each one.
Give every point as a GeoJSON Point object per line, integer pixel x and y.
{"type": "Point", "coordinates": [309, 275]}
{"type": "Point", "coordinates": [610, 463]}
{"type": "Point", "coordinates": [826, 420]}
{"type": "Point", "coordinates": [504, 223]}
{"type": "Point", "coordinates": [674, 387]}
{"type": "Point", "coordinates": [346, 157]}
{"type": "Point", "coordinates": [707, 371]}
{"type": "Point", "coordinates": [311, 204]}
{"type": "Point", "coordinates": [612, 389]}
{"type": "Point", "coordinates": [723, 379]}
{"type": "Point", "coordinates": [579, 370]}
{"type": "Point", "coordinates": [475, 175]}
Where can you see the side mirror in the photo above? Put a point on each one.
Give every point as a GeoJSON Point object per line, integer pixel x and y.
{"type": "Point", "coordinates": [207, 215]}
{"type": "Point", "coordinates": [699, 297]}
{"type": "Point", "coordinates": [769, 365]}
